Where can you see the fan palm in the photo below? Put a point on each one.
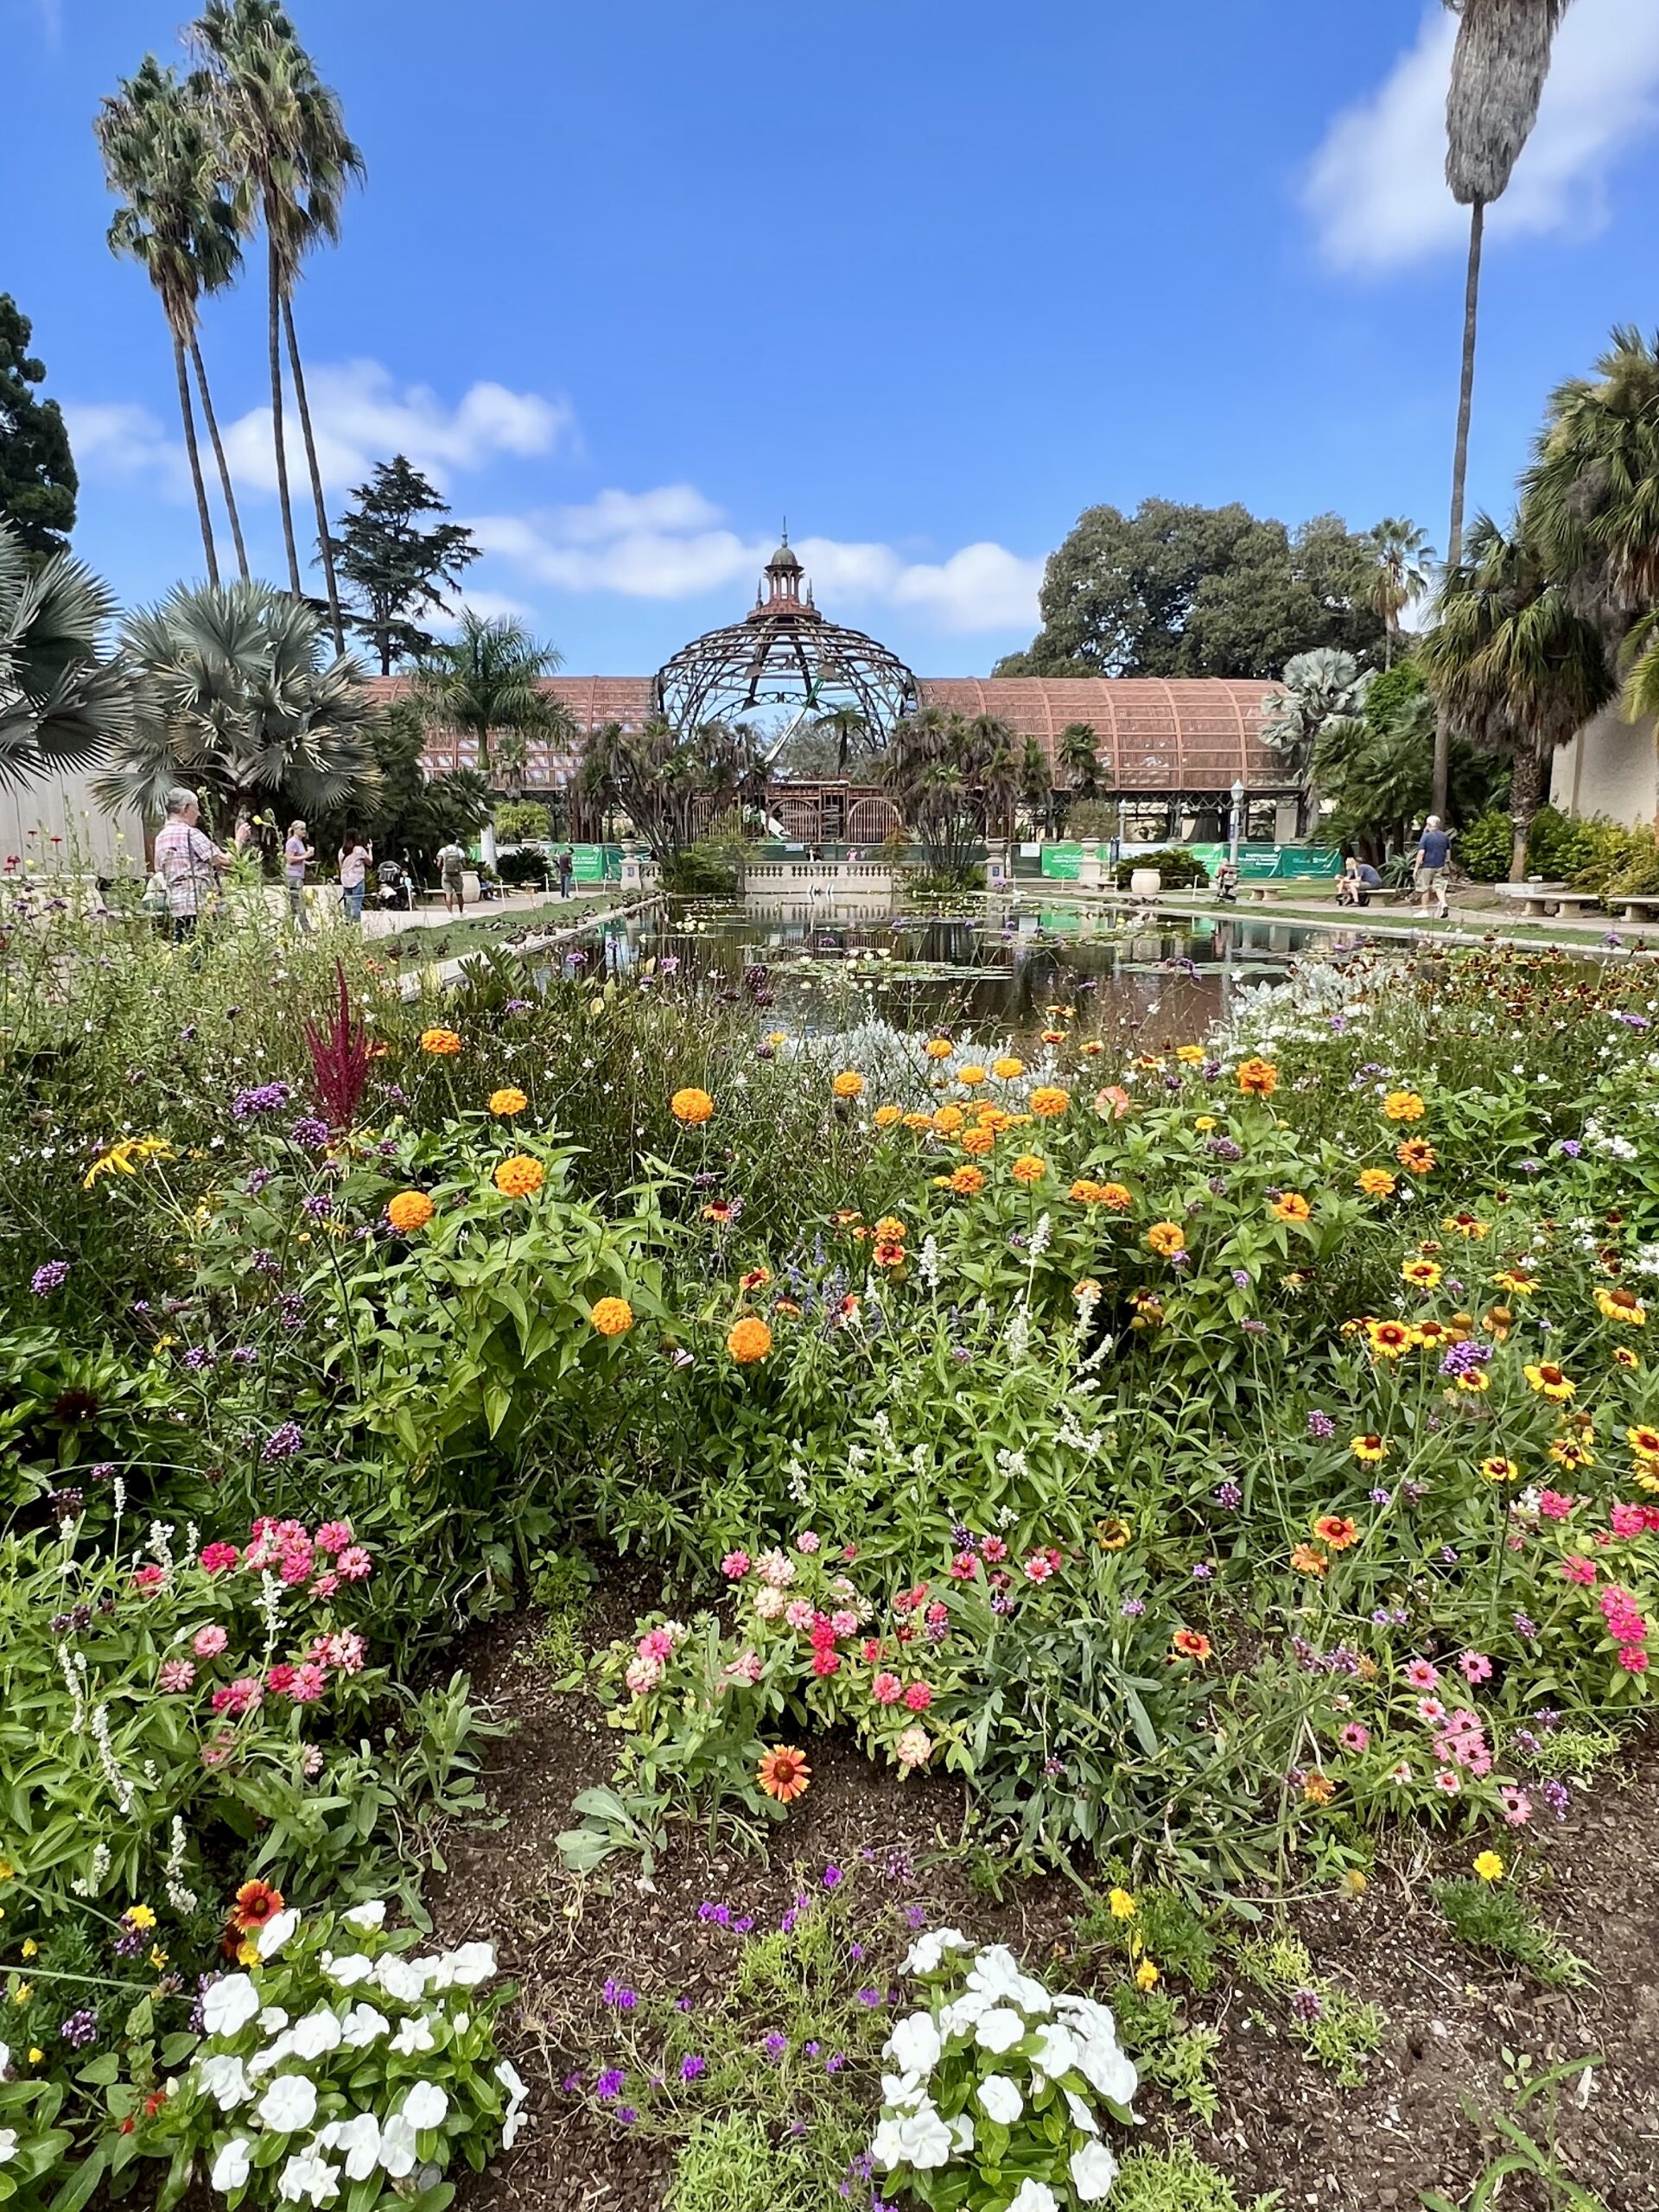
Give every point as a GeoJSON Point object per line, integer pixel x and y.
{"type": "Point", "coordinates": [1512, 663]}
{"type": "Point", "coordinates": [64, 702]}
{"type": "Point", "coordinates": [177, 222]}
{"type": "Point", "coordinates": [1401, 555]}
{"type": "Point", "coordinates": [1591, 494]}
{"type": "Point", "coordinates": [1079, 755]}
{"type": "Point", "coordinates": [285, 141]}
{"type": "Point", "coordinates": [1498, 68]}
{"type": "Point", "coordinates": [235, 691]}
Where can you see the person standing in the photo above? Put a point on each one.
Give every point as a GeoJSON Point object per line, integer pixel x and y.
{"type": "Point", "coordinates": [296, 856]}
{"type": "Point", "coordinates": [244, 836]}
{"type": "Point", "coordinates": [354, 858]}
{"type": "Point", "coordinates": [188, 862]}
{"type": "Point", "coordinates": [567, 871]}
{"type": "Point", "coordinates": [1429, 867]}
{"type": "Point", "coordinates": [451, 873]}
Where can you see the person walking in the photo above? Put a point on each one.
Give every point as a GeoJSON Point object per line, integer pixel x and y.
{"type": "Point", "coordinates": [451, 873]}
{"type": "Point", "coordinates": [567, 866]}
{"type": "Point", "coordinates": [1429, 867]}
{"type": "Point", "coordinates": [188, 862]}
{"type": "Point", "coordinates": [354, 858]}
{"type": "Point", "coordinates": [296, 856]}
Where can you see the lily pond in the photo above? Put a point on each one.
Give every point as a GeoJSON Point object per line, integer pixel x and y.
{"type": "Point", "coordinates": [998, 965]}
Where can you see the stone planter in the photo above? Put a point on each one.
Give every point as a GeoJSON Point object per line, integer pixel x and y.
{"type": "Point", "coordinates": [1147, 882]}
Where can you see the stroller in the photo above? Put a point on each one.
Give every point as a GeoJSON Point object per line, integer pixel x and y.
{"type": "Point", "coordinates": [394, 888]}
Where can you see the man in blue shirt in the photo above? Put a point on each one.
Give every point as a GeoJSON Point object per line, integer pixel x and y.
{"type": "Point", "coordinates": [1429, 865]}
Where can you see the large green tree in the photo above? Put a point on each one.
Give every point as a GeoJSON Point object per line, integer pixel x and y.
{"type": "Point", "coordinates": [1175, 590]}
{"type": "Point", "coordinates": [1499, 66]}
{"type": "Point", "coordinates": [37, 472]}
{"type": "Point", "coordinates": [177, 220]}
{"type": "Point", "coordinates": [1375, 769]}
{"type": "Point", "coordinates": [404, 811]}
{"type": "Point", "coordinates": [65, 702]}
{"type": "Point", "coordinates": [400, 566]}
{"type": "Point", "coordinates": [670, 783]}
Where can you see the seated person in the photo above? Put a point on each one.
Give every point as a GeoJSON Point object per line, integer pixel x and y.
{"type": "Point", "coordinates": [1227, 881]}
{"type": "Point", "coordinates": [1356, 882]}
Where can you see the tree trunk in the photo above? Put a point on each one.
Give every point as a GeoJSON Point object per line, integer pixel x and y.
{"type": "Point", "coordinates": [225, 486]}
{"type": "Point", "coordinates": [273, 334]}
{"type": "Point", "coordinates": [323, 547]}
{"type": "Point", "coordinates": [1459, 472]}
{"type": "Point", "coordinates": [1526, 789]}
{"type": "Point", "coordinates": [188, 414]}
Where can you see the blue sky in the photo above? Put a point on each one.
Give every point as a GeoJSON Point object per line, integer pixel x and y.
{"type": "Point", "coordinates": [633, 283]}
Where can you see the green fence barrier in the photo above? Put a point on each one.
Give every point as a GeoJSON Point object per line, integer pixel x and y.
{"type": "Point", "coordinates": [1063, 863]}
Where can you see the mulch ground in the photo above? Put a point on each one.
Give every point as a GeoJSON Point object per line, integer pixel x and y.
{"type": "Point", "coordinates": [1458, 2028]}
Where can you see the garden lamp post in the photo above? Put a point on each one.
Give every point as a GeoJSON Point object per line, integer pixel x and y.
{"type": "Point", "coordinates": [1236, 820]}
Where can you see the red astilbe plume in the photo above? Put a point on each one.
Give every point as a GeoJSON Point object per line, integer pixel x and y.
{"type": "Point", "coordinates": [340, 1053]}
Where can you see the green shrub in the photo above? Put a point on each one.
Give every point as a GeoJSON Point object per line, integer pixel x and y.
{"type": "Point", "coordinates": [1495, 1917]}
{"type": "Point", "coordinates": [702, 871]}
{"type": "Point", "coordinates": [525, 867]}
{"type": "Point", "coordinates": [1559, 845]}
{"type": "Point", "coordinates": [1180, 869]}
{"type": "Point", "coordinates": [517, 820]}
{"type": "Point", "coordinates": [1484, 848]}
{"type": "Point", "coordinates": [1178, 2180]}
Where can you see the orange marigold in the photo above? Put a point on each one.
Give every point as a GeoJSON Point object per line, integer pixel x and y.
{"type": "Point", "coordinates": [441, 1043]}
{"type": "Point", "coordinates": [848, 1084]}
{"type": "Point", "coordinates": [1167, 1239]}
{"type": "Point", "coordinates": [691, 1106]}
{"type": "Point", "coordinates": [890, 1228]}
{"type": "Point", "coordinates": [1116, 1198]}
{"type": "Point", "coordinates": [612, 1317]}
{"type": "Point", "coordinates": [971, 1075]}
{"type": "Point", "coordinates": [1029, 1168]}
{"type": "Point", "coordinates": [977, 1142]}
{"type": "Point", "coordinates": [748, 1340]}
{"type": "Point", "coordinates": [1258, 1078]}
{"type": "Point", "coordinates": [1048, 1101]}
{"type": "Point", "coordinates": [521, 1177]}
{"type": "Point", "coordinates": [967, 1182]}
{"type": "Point", "coordinates": [410, 1210]}
{"type": "Point", "coordinates": [508, 1101]}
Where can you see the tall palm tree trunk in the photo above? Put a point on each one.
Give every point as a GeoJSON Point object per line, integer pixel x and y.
{"type": "Point", "coordinates": [211, 420]}
{"type": "Point", "coordinates": [274, 346]}
{"type": "Point", "coordinates": [1460, 469]}
{"type": "Point", "coordinates": [1526, 789]}
{"type": "Point", "coordinates": [316, 478]}
{"type": "Point", "coordinates": [191, 447]}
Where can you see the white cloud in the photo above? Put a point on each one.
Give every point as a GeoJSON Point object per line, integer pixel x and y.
{"type": "Point", "coordinates": [125, 441]}
{"type": "Point", "coordinates": [673, 544]}
{"type": "Point", "coordinates": [1377, 187]}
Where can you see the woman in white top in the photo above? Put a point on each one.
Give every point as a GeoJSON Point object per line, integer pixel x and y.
{"type": "Point", "coordinates": [354, 858]}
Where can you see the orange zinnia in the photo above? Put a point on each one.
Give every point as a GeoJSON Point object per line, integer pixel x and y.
{"type": "Point", "coordinates": [691, 1106]}
{"type": "Point", "coordinates": [1307, 1561]}
{"type": "Point", "coordinates": [409, 1210]}
{"type": "Point", "coordinates": [1403, 1106]}
{"type": "Point", "coordinates": [848, 1084]}
{"type": "Point", "coordinates": [1029, 1168]}
{"type": "Point", "coordinates": [612, 1317]}
{"type": "Point", "coordinates": [1167, 1239]}
{"type": "Point", "coordinates": [256, 1902]}
{"type": "Point", "coordinates": [521, 1177]}
{"type": "Point", "coordinates": [1376, 1183]}
{"type": "Point", "coordinates": [508, 1101]}
{"type": "Point", "coordinates": [1258, 1078]}
{"type": "Point", "coordinates": [748, 1340]}
{"type": "Point", "coordinates": [441, 1043]}
{"type": "Point", "coordinates": [1291, 1206]}
{"type": "Point", "coordinates": [1048, 1101]}
{"type": "Point", "coordinates": [784, 1774]}
{"type": "Point", "coordinates": [885, 1117]}
{"type": "Point", "coordinates": [949, 1120]}
{"type": "Point", "coordinates": [978, 1142]}
{"type": "Point", "coordinates": [967, 1182]}
{"type": "Point", "coordinates": [1414, 1156]}
{"type": "Point", "coordinates": [938, 1048]}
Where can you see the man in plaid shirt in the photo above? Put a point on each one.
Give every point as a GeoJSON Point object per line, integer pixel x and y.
{"type": "Point", "coordinates": [188, 862]}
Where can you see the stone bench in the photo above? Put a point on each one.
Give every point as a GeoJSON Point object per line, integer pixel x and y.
{"type": "Point", "coordinates": [1541, 900]}
{"type": "Point", "coordinates": [1639, 910]}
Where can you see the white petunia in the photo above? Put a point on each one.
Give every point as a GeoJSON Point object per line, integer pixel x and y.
{"type": "Point", "coordinates": [1081, 2115]}
{"type": "Point", "coordinates": [372, 1914]}
{"type": "Point", "coordinates": [348, 1971]}
{"type": "Point", "coordinates": [416, 2034]}
{"type": "Point", "coordinates": [268, 2060]}
{"type": "Point", "coordinates": [914, 2044]}
{"type": "Point", "coordinates": [962, 2012]}
{"type": "Point", "coordinates": [222, 2077]}
{"type": "Point", "coordinates": [472, 1964]}
{"type": "Point", "coordinates": [272, 2020]}
{"type": "Point", "coordinates": [319, 2031]}
{"type": "Point", "coordinates": [996, 1972]}
{"type": "Point", "coordinates": [290, 2104]}
{"type": "Point", "coordinates": [397, 2152]}
{"type": "Point", "coordinates": [425, 2106]}
{"type": "Point", "coordinates": [275, 1932]}
{"type": "Point", "coordinates": [962, 2132]}
{"type": "Point", "coordinates": [232, 2166]}
{"type": "Point", "coordinates": [400, 1979]}
{"type": "Point", "coordinates": [1034, 2196]}
{"type": "Point", "coordinates": [926, 1954]}
{"type": "Point", "coordinates": [511, 2125]}
{"type": "Point", "coordinates": [925, 2140]}
{"type": "Point", "coordinates": [902, 2090]}
{"type": "Point", "coordinates": [1093, 2171]}
{"type": "Point", "coordinates": [1105, 2069]}
{"type": "Point", "coordinates": [1057, 2050]}
{"type": "Point", "coordinates": [361, 2026]}
{"type": "Point", "coordinates": [228, 2005]}
{"type": "Point", "coordinates": [308, 2179]}
{"type": "Point", "coordinates": [1000, 2030]}
{"type": "Point", "coordinates": [8, 2146]}
{"type": "Point", "coordinates": [1002, 2099]}
{"type": "Point", "coordinates": [511, 2081]}
{"type": "Point", "coordinates": [360, 2139]}
{"type": "Point", "coordinates": [886, 2148]}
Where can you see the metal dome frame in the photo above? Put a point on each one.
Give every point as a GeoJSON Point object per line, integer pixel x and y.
{"type": "Point", "coordinates": [785, 652]}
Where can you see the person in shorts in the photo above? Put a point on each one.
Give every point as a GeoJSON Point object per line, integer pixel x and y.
{"type": "Point", "coordinates": [451, 873]}
{"type": "Point", "coordinates": [1431, 866]}
{"type": "Point", "coordinates": [188, 863]}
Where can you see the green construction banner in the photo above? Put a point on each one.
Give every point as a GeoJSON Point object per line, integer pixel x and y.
{"type": "Point", "coordinates": [1063, 863]}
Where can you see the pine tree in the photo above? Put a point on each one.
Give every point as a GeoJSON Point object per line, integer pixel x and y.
{"type": "Point", "coordinates": [397, 570]}
{"type": "Point", "coordinates": [37, 472]}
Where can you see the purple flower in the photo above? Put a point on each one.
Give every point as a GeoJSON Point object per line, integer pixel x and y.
{"type": "Point", "coordinates": [1230, 1494]}
{"type": "Point", "coordinates": [310, 1133]}
{"type": "Point", "coordinates": [1252, 1328]}
{"type": "Point", "coordinates": [1320, 1426]}
{"type": "Point", "coordinates": [291, 1310]}
{"type": "Point", "coordinates": [196, 1358]}
{"type": "Point", "coordinates": [775, 2045]}
{"type": "Point", "coordinates": [1241, 1278]}
{"type": "Point", "coordinates": [283, 1442]}
{"type": "Point", "coordinates": [1380, 1497]}
{"type": "Point", "coordinates": [1525, 1625]}
{"type": "Point", "coordinates": [571, 2085]}
{"type": "Point", "coordinates": [1569, 1148]}
{"type": "Point", "coordinates": [915, 1916]}
{"type": "Point", "coordinates": [79, 2030]}
{"type": "Point", "coordinates": [608, 2085]}
{"type": "Point", "coordinates": [1464, 1358]}
{"type": "Point", "coordinates": [1201, 1570]}
{"type": "Point", "coordinates": [1306, 2004]}
{"type": "Point", "coordinates": [626, 2115]}
{"type": "Point", "coordinates": [265, 1098]}
{"type": "Point", "coordinates": [1546, 1717]}
{"type": "Point", "coordinates": [257, 1179]}
{"type": "Point", "coordinates": [53, 1276]}
{"type": "Point", "coordinates": [618, 1998]}
{"type": "Point", "coordinates": [833, 1877]}
{"type": "Point", "coordinates": [245, 1355]}
{"type": "Point", "coordinates": [1558, 1797]}
{"type": "Point", "coordinates": [870, 1997]}
{"type": "Point", "coordinates": [1132, 1608]}
{"type": "Point", "coordinates": [691, 2066]}
{"type": "Point", "coordinates": [319, 1205]}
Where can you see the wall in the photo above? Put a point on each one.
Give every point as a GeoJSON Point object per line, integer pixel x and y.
{"type": "Point", "coordinates": [64, 808]}
{"type": "Point", "coordinates": [1610, 768]}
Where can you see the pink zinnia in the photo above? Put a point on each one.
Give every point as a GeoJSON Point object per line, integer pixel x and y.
{"type": "Point", "coordinates": [826, 1660]}
{"type": "Point", "coordinates": [346, 1651]}
{"type": "Point", "coordinates": [297, 1564]}
{"type": "Point", "coordinates": [1475, 1667]}
{"type": "Point", "coordinates": [798, 1613]}
{"type": "Point", "coordinates": [919, 1697]}
{"type": "Point", "coordinates": [210, 1642]}
{"type": "Point", "coordinates": [353, 1563]}
{"type": "Point", "coordinates": [214, 1559]}
{"type": "Point", "coordinates": [239, 1697]}
{"type": "Point", "coordinates": [1355, 1738]}
{"type": "Point", "coordinates": [218, 1751]}
{"type": "Point", "coordinates": [279, 1679]}
{"type": "Point", "coordinates": [334, 1535]}
{"type": "Point", "coordinates": [1039, 1568]}
{"type": "Point", "coordinates": [176, 1674]}
{"type": "Point", "coordinates": [1628, 1521]}
{"type": "Point", "coordinates": [735, 1566]}
{"type": "Point", "coordinates": [146, 1577]}
{"type": "Point", "coordinates": [844, 1621]}
{"type": "Point", "coordinates": [656, 1643]}
{"type": "Point", "coordinates": [1420, 1674]}
{"type": "Point", "coordinates": [993, 1547]}
{"type": "Point", "coordinates": [325, 1586]}
{"type": "Point", "coordinates": [886, 1690]}
{"type": "Point", "coordinates": [1554, 1505]}
{"type": "Point", "coordinates": [1578, 1569]}
{"type": "Point", "coordinates": [309, 1682]}
{"type": "Point", "coordinates": [1633, 1659]}
{"type": "Point", "coordinates": [747, 1668]}
{"type": "Point", "coordinates": [807, 1541]}
{"type": "Point", "coordinates": [963, 1567]}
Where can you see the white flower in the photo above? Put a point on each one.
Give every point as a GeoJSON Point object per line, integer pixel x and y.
{"type": "Point", "coordinates": [1081, 2115]}
{"type": "Point", "coordinates": [961, 2014]}
{"type": "Point", "coordinates": [1000, 2030]}
{"type": "Point", "coordinates": [361, 2026]}
{"type": "Point", "coordinates": [8, 2146]}
{"type": "Point", "coordinates": [471, 1964]}
{"type": "Point", "coordinates": [996, 1972]}
{"type": "Point", "coordinates": [397, 2152]}
{"type": "Point", "coordinates": [924, 2139]}
{"type": "Point", "coordinates": [401, 1979]}
{"type": "Point", "coordinates": [372, 1914]}
{"type": "Point", "coordinates": [511, 2081]}
{"type": "Point", "coordinates": [962, 2132]}
{"type": "Point", "coordinates": [1057, 2051]}
{"type": "Point", "coordinates": [360, 2139]}
{"type": "Point", "coordinates": [1093, 2171]}
{"type": "Point", "coordinates": [416, 2034]}
{"type": "Point", "coordinates": [902, 2090]}
{"type": "Point", "coordinates": [319, 2031]}
{"type": "Point", "coordinates": [1002, 2099]}
{"type": "Point", "coordinates": [232, 2166]}
{"type": "Point", "coordinates": [272, 2019]}
{"type": "Point", "coordinates": [914, 2044]}
{"type": "Point", "coordinates": [1103, 2066]}
{"type": "Point", "coordinates": [290, 2104]}
{"type": "Point", "coordinates": [229, 2006]}
{"type": "Point", "coordinates": [886, 2149]}
{"type": "Point", "coordinates": [1034, 2196]}
{"type": "Point", "coordinates": [271, 1940]}
{"type": "Point", "coordinates": [5, 2060]}
{"type": "Point", "coordinates": [926, 1954]}
{"type": "Point", "coordinates": [348, 1971]}
{"type": "Point", "coordinates": [267, 2060]}
{"type": "Point", "coordinates": [425, 2106]}
{"type": "Point", "coordinates": [222, 2077]}
{"type": "Point", "coordinates": [309, 2179]}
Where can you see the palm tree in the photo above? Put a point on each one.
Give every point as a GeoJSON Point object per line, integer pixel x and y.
{"type": "Point", "coordinates": [850, 728]}
{"type": "Point", "coordinates": [1400, 554]}
{"type": "Point", "coordinates": [176, 221]}
{"type": "Point", "coordinates": [1079, 754]}
{"type": "Point", "coordinates": [487, 679]}
{"type": "Point", "coordinates": [1512, 662]}
{"type": "Point", "coordinates": [64, 702]}
{"type": "Point", "coordinates": [285, 139]}
{"type": "Point", "coordinates": [513, 762]}
{"type": "Point", "coordinates": [235, 692]}
{"type": "Point", "coordinates": [1037, 783]}
{"type": "Point", "coordinates": [1498, 68]}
